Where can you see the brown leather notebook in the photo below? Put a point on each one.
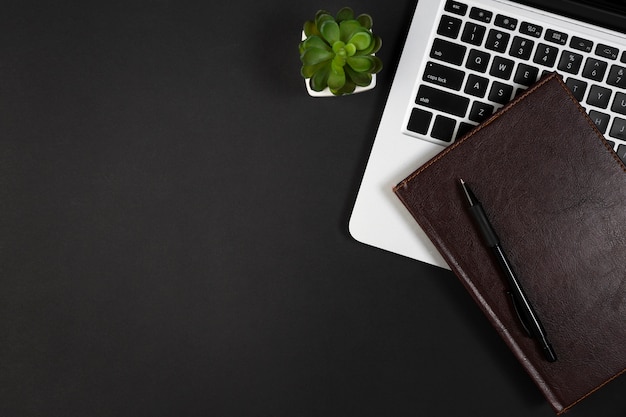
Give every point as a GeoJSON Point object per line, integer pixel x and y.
{"type": "Point", "coordinates": [555, 194]}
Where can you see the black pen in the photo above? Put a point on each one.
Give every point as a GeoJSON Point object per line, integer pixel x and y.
{"type": "Point", "coordinates": [524, 309]}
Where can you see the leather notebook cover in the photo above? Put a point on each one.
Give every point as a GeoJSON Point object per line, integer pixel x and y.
{"type": "Point", "coordinates": [555, 194]}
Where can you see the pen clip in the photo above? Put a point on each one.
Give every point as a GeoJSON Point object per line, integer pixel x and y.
{"type": "Point", "coordinates": [519, 315]}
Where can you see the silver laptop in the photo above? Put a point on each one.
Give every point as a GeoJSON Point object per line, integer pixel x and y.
{"type": "Point", "coordinates": [461, 62]}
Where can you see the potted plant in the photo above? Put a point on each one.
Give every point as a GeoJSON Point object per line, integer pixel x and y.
{"type": "Point", "coordinates": [337, 53]}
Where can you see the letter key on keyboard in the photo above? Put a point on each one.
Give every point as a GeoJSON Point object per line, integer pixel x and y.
{"type": "Point", "coordinates": [501, 67]}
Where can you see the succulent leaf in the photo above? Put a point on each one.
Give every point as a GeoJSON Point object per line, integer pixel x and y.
{"type": "Point", "coordinates": [338, 47]}
{"type": "Point", "coordinates": [365, 20]}
{"type": "Point", "coordinates": [347, 88]}
{"type": "Point", "coordinates": [337, 77]}
{"type": "Point", "coordinates": [348, 28]}
{"type": "Point", "coordinates": [378, 64]}
{"type": "Point", "coordinates": [345, 13]}
{"type": "Point", "coordinates": [321, 17]}
{"type": "Point", "coordinates": [310, 29]}
{"type": "Point", "coordinates": [360, 63]}
{"type": "Point", "coordinates": [373, 48]}
{"type": "Point", "coordinates": [330, 31]}
{"type": "Point", "coordinates": [319, 80]}
{"type": "Point", "coordinates": [315, 42]}
{"type": "Point", "coordinates": [362, 40]}
{"type": "Point", "coordinates": [362, 79]}
{"type": "Point", "coordinates": [350, 49]}
{"type": "Point", "coordinates": [307, 71]}
{"type": "Point", "coordinates": [320, 13]}
{"type": "Point", "coordinates": [378, 42]}
{"type": "Point", "coordinates": [314, 56]}
{"type": "Point", "coordinates": [339, 60]}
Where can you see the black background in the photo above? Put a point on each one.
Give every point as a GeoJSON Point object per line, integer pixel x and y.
{"type": "Point", "coordinates": [173, 229]}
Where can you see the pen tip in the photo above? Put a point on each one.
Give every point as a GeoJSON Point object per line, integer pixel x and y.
{"type": "Point", "coordinates": [461, 180]}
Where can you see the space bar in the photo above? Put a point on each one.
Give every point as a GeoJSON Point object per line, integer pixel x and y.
{"type": "Point", "coordinates": [442, 100]}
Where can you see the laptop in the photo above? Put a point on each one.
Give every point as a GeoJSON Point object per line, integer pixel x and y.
{"type": "Point", "coordinates": [461, 62]}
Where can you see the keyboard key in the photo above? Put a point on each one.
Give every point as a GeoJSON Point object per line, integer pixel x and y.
{"type": "Point", "coordinates": [505, 22]}
{"type": "Point", "coordinates": [600, 119]}
{"type": "Point", "coordinates": [456, 7]}
{"type": "Point", "coordinates": [443, 76]}
{"type": "Point", "coordinates": [530, 29]}
{"type": "Point", "coordinates": [478, 60]}
{"type": "Point", "coordinates": [473, 33]}
{"type": "Point", "coordinates": [623, 58]}
{"type": "Point", "coordinates": [419, 121]}
{"type": "Point", "coordinates": [526, 75]}
{"type": "Point", "coordinates": [577, 87]}
{"type": "Point", "coordinates": [618, 129]}
{"type": "Point", "coordinates": [570, 62]}
{"type": "Point", "coordinates": [476, 86]}
{"type": "Point", "coordinates": [606, 51]}
{"type": "Point", "coordinates": [443, 128]}
{"type": "Point", "coordinates": [581, 44]}
{"type": "Point", "coordinates": [464, 128]}
{"type": "Point", "coordinates": [617, 76]}
{"type": "Point", "coordinates": [442, 100]}
{"type": "Point", "coordinates": [480, 111]}
{"type": "Point", "coordinates": [594, 69]}
{"type": "Point", "coordinates": [500, 93]}
{"type": "Point", "coordinates": [449, 26]}
{"type": "Point", "coordinates": [621, 152]}
{"type": "Point", "coordinates": [556, 36]}
{"type": "Point", "coordinates": [599, 96]}
{"type": "Point", "coordinates": [497, 40]}
{"type": "Point", "coordinates": [521, 47]}
{"type": "Point", "coordinates": [501, 68]}
{"type": "Point", "coordinates": [619, 104]}
{"type": "Point", "coordinates": [545, 55]}
{"type": "Point", "coordinates": [480, 14]}
{"type": "Point", "coordinates": [452, 53]}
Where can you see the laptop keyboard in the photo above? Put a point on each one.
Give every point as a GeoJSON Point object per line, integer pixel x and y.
{"type": "Point", "coordinates": [480, 59]}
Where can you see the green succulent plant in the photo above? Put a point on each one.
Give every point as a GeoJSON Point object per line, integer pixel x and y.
{"type": "Point", "coordinates": [338, 52]}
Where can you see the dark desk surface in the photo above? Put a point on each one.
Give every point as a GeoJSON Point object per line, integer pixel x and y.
{"type": "Point", "coordinates": [173, 237]}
